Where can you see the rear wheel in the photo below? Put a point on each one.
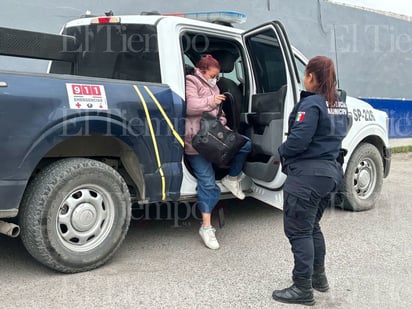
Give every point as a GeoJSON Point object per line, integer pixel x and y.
{"type": "Point", "coordinates": [75, 214]}
{"type": "Point", "coordinates": [363, 178]}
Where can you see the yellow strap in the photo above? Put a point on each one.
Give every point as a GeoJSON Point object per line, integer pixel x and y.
{"type": "Point", "coordinates": [177, 136]}
{"type": "Point", "coordinates": [149, 122]}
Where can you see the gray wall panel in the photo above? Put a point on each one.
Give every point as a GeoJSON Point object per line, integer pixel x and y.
{"type": "Point", "coordinates": [374, 51]}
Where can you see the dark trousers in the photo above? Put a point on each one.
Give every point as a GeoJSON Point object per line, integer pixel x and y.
{"type": "Point", "coordinates": [301, 215]}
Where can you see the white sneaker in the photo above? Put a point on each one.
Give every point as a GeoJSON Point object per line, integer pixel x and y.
{"type": "Point", "coordinates": [208, 237]}
{"type": "Point", "coordinates": [233, 186]}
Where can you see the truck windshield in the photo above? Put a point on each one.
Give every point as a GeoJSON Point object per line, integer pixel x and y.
{"type": "Point", "coordinates": [127, 52]}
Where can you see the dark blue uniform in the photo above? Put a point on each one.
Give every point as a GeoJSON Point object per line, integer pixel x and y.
{"type": "Point", "coordinates": [309, 159]}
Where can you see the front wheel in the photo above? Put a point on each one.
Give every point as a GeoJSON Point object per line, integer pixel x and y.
{"type": "Point", "coordinates": [74, 215]}
{"type": "Point", "coordinates": [363, 178]}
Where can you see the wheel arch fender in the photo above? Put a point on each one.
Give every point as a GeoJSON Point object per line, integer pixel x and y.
{"type": "Point", "coordinates": [114, 138]}
{"type": "Point", "coordinates": [373, 134]}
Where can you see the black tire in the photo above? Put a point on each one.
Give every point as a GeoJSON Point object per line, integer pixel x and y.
{"type": "Point", "coordinates": [363, 178]}
{"type": "Point", "coordinates": [75, 214]}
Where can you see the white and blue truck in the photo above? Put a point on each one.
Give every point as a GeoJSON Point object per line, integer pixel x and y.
{"type": "Point", "coordinates": [105, 126]}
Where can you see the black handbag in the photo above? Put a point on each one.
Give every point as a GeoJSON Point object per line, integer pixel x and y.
{"type": "Point", "coordinates": [215, 142]}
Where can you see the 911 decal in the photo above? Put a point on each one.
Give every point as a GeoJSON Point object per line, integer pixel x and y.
{"type": "Point", "coordinates": [82, 96]}
{"type": "Point", "coordinates": [363, 115]}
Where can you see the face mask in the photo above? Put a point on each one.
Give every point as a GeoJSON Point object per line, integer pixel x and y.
{"type": "Point", "coordinates": [212, 82]}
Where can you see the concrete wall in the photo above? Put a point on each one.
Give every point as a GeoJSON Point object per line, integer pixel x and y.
{"type": "Point", "coordinates": [399, 113]}
{"type": "Point", "coordinates": [374, 52]}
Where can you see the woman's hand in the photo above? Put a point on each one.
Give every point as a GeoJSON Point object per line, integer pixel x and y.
{"type": "Point", "coordinates": [219, 99]}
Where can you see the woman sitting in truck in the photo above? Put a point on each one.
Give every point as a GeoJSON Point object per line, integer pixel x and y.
{"type": "Point", "coordinates": [203, 95]}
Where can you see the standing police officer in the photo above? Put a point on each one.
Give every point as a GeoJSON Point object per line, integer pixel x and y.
{"type": "Point", "coordinates": [317, 126]}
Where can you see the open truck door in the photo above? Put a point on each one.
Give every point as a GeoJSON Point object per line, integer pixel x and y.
{"type": "Point", "coordinates": [274, 91]}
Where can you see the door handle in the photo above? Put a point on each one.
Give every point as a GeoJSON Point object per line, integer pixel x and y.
{"type": "Point", "coordinates": [3, 84]}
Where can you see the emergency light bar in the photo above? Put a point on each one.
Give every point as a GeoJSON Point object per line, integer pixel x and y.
{"type": "Point", "coordinates": [226, 17]}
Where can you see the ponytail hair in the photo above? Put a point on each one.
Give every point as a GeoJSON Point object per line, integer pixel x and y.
{"type": "Point", "coordinates": [324, 72]}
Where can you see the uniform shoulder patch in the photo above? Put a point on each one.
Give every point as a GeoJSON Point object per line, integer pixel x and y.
{"type": "Point", "coordinates": [300, 116]}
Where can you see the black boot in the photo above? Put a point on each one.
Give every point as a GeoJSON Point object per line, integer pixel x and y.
{"type": "Point", "coordinates": [300, 292]}
{"type": "Point", "coordinates": [319, 280]}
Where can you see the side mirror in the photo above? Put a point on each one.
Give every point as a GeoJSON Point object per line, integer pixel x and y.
{"type": "Point", "coordinates": [342, 95]}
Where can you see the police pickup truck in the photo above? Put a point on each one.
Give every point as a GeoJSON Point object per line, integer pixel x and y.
{"type": "Point", "coordinates": [104, 127]}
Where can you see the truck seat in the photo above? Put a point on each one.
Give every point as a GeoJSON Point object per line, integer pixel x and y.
{"type": "Point", "coordinates": [227, 64]}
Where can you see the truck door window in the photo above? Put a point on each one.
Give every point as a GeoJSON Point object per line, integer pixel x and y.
{"type": "Point", "coordinates": [301, 71]}
{"type": "Point", "coordinates": [227, 52]}
{"type": "Point", "coordinates": [128, 52]}
{"type": "Point", "coordinates": [267, 60]}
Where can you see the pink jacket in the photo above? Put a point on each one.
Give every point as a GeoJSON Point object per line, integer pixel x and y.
{"type": "Point", "coordinates": [200, 97]}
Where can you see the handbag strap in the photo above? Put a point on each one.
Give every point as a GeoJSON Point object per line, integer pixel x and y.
{"type": "Point", "coordinates": [219, 112]}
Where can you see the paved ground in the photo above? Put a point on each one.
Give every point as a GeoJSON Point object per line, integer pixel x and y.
{"type": "Point", "coordinates": [369, 262]}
